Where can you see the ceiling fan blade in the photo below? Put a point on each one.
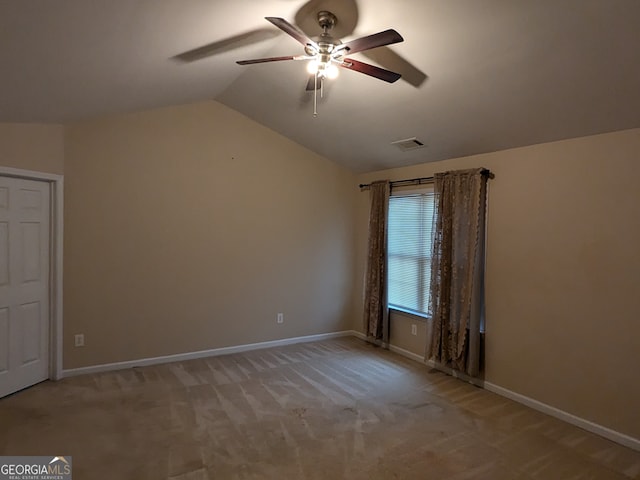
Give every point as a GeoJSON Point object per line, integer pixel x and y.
{"type": "Point", "coordinates": [289, 29]}
{"type": "Point", "coordinates": [379, 39]}
{"type": "Point", "coordinates": [237, 41]}
{"type": "Point", "coordinates": [371, 70]}
{"type": "Point", "coordinates": [391, 60]}
{"type": "Point", "coordinates": [265, 60]}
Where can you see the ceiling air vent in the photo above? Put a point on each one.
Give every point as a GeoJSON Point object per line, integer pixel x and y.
{"type": "Point", "coordinates": [408, 144]}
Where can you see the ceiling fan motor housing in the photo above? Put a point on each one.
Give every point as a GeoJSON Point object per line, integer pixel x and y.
{"type": "Point", "coordinates": [326, 42]}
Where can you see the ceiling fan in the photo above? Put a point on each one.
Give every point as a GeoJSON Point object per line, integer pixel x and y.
{"type": "Point", "coordinates": [328, 53]}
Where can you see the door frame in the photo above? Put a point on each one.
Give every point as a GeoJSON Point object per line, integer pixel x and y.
{"type": "Point", "coordinates": [56, 184]}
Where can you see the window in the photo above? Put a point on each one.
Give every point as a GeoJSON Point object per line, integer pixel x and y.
{"type": "Point", "coordinates": [409, 250]}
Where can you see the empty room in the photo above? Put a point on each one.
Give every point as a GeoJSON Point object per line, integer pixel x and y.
{"type": "Point", "coordinates": [332, 239]}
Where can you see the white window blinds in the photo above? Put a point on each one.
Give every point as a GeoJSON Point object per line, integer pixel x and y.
{"type": "Point", "coordinates": [409, 250]}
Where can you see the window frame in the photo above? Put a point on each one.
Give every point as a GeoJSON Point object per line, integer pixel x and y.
{"type": "Point", "coordinates": [423, 189]}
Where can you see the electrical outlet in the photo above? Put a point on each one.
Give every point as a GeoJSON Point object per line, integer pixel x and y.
{"type": "Point", "coordinates": [414, 329]}
{"type": "Point", "coordinates": [280, 318]}
{"type": "Point", "coordinates": [79, 340]}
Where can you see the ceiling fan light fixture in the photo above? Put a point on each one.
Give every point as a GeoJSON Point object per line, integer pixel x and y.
{"type": "Point", "coordinates": [332, 71]}
{"type": "Point", "coordinates": [312, 66]}
{"type": "Point", "coordinates": [322, 69]}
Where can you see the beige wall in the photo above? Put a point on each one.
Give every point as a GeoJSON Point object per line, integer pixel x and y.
{"type": "Point", "coordinates": [191, 227]}
{"type": "Point", "coordinates": [563, 273]}
{"type": "Point", "coordinates": [33, 147]}
{"type": "Point", "coordinates": [401, 334]}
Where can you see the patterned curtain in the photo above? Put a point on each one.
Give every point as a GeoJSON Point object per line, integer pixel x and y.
{"type": "Point", "coordinates": [376, 313]}
{"type": "Point", "coordinates": [457, 275]}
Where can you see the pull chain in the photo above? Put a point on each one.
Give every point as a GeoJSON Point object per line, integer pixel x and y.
{"type": "Point", "coordinates": [315, 95]}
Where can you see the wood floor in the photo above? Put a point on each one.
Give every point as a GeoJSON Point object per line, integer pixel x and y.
{"type": "Point", "coordinates": [337, 409]}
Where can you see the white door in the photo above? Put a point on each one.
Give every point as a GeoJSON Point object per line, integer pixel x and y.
{"type": "Point", "coordinates": [24, 283]}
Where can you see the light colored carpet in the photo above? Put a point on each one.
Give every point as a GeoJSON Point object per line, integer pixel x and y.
{"type": "Point", "coordinates": [338, 409]}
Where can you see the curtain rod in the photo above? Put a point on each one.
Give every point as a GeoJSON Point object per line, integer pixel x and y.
{"type": "Point", "coordinates": [420, 180]}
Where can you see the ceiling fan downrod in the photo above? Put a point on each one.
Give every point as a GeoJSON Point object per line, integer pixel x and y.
{"type": "Point", "coordinates": [315, 95]}
{"type": "Point", "coordinates": [326, 42]}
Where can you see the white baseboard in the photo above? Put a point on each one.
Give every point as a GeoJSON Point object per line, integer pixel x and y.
{"type": "Point", "coordinates": [406, 353]}
{"type": "Point", "coordinates": [605, 432]}
{"type": "Point", "coordinates": [478, 382]}
{"type": "Point", "coordinates": [143, 362]}
{"type": "Point", "coordinates": [358, 334]}
{"type": "Point", "coordinates": [587, 425]}
{"type": "Point", "coordinates": [393, 348]}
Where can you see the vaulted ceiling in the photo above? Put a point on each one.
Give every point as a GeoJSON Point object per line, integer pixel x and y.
{"type": "Point", "coordinates": [478, 75]}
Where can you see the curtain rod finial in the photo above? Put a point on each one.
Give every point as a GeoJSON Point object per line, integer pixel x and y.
{"type": "Point", "coordinates": [488, 173]}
